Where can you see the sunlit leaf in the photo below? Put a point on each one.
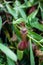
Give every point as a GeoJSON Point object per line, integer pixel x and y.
{"type": "Point", "coordinates": [34, 23]}
{"type": "Point", "coordinates": [41, 40]}
{"type": "Point", "coordinates": [19, 20]}
{"type": "Point", "coordinates": [35, 35]}
{"type": "Point", "coordinates": [8, 52]}
{"type": "Point", "coordinates": [10, 61]}
{"type": "Point", "coordinates": [32, 61]}
{"type": "Point", "coordinates": [17, 32]}
{"type": "Point", "coordinates": [23, 14]}
{"type": "Point", "coordinates": [41, 8]}
{"type": "Point", "coordinates": [10, 10]}
{"type": "Point", "coordinates": [19, 54]}
{"type": "Point", "coordinates": [32, 15]}
{"type": "Point", "coordinates": [32, 1]}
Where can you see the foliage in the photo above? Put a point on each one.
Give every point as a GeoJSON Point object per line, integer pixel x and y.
{"type": "Point", "coordinates": [16, 18]}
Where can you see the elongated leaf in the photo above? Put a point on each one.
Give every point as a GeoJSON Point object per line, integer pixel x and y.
{"type": "Point", "coordinates": [32, 15]}
{"type": "Point", "coordinates": [41, 8]}
{"type": "Point", "coordinates": [10, 10]}
{"type": "Point", "coordinates": [18, 21]}
{"type": "Point", "coordinates": [42, 14]}
{"type": "Point", "coordinates": [26, 6]}
{"type": "Point", "coordinates": [35, 35]}
{"type": "Point", "coordinates": [0, 40]}
{"type": "Point", "coordinates": [36, 24]}
{"type": "Point", "coordinates": [8, 52]}
{"type": "Point", "coordinates": [19, 54]}
{"type": "Point", "coordinates": [10, 62]}
{"type": "Point", "coordinates": [16, 3]}
{"type": "Point", "coordinates": [22, 13]}
{"type": "Point", "coordinates": [41, 40]}
{"type": "Point", "coordinates": [31, 55]}
{"type": "Point", "coordinates": [0, 23]}
{"type": "Point", "coordinates": [32, 1]}
{"type": "Point", "coordinates": [29, 4]}
{"type": "Point", "coordinates": [16, 7]}
{"type": "Point", "coordinates": [16, 31]}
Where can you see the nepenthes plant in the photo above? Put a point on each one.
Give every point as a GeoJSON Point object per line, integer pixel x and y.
{"type": "Point", "coordinates": [21, 32]}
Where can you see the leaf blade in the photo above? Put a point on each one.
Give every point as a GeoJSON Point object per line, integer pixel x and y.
{"type": "Point", "coordinates": [31, 55]}
{"type": "Point", "coordinates": [8, 52]}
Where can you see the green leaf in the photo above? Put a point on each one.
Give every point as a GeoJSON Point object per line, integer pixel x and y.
{"type": "Point", "coordinates": [34, 23]}
{"type": "Point", "coordinates": [21, 11]}
{"type": "Point", "coordinates": [0, 23]}
{"type": "Point", "coordinates": [26, 5]}
{"type": "Point", "coordinates": [10, 61]}
{"type": "Point", "coordinates": [29, 4]}
{"type": "Point", "coordinates": [18, 21]}
{"type": "Point", "coordinates": [41, 8]}
{"type": "Point", "coordinates": [32, 1]}
{"type": "Point", "coordinates": [17, 31]}
{"type": "Point", "coordinates": [16, 7]}
{"type": "Point", "coordinates": [41, 40]}
{"type": "Point", "coordinates": [2, 64]}
{"type": "Point", "coordinates": [8, 52]}
{"type": "Point", "coordinates": [10, 9]}
{"type": "Point", "coordinates": [23, 14]}
{"type": "Point", "coordinates": [31, 55]}
{"type": "Point", "coordinates": [25, 1]}
{"type": "Point", "coordinates": [16, 3]}
{"type": "Point", "coordinates": [19, 54]}
{"type": "Point", "coordinates": [35, 35]}
{"type": "Point", "coordinates": [42, 14]}
{"type": "Point", "coordinates": [32, 15]}
{"type": "Point", "coordinates": [0, 40]}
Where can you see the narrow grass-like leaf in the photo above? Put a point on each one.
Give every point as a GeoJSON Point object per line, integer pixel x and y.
{"type": "Point", "coordinates": [8, 52]}
{"type": "Point", "coordinates": [41, 8]}
{"type": "Point", "coordinates": [18, 21]}
{"type": "Point", "coordinates": [10, 61]}
{"type": "Point", "coordinates": [22, 13]}
{"type": "Point", "coordinates": [34, 23]}
{"type": "Point", "coordinates": [35, 35]}
{"type": "Point", "coordinates": [10, 10]}
{"type": "Point", "coordinates": [17, 32]}
{"type": "Point", "coordinates": [32, 15]}
{"type": "Point", "coordinates": [32, 62]}
{"type": "Point", "coordinates": [25, 1]}
{"type": "Point", "coordinates": [41, 40]}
